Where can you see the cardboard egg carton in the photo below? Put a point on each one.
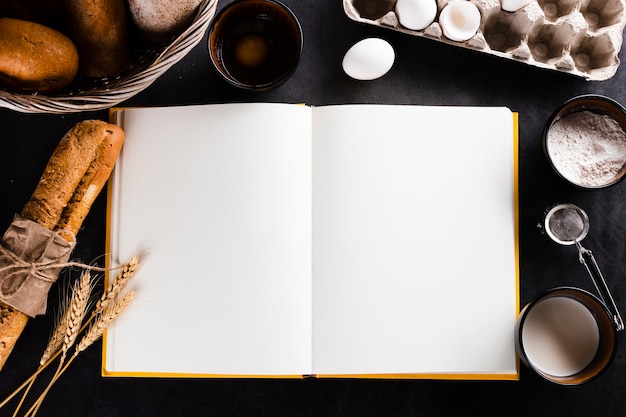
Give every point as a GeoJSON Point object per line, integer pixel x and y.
{"type": "Point", "coordinates": [579, 37]}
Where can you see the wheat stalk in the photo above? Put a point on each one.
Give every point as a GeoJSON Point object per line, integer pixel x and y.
{"type": "Point", "coordinates": [72, 323]}
{"type": "Point", "coordinates": [108, 312]}
{"type": "Point", "coordinates": [52, 348]}
{"type": "Point", "coordinates": [115, 288]}
{"type": "Point", "coordinates": [118, 284]}
{"type": "Point", "coordinates": [103, 321]}
{"type": "Point", "coordinates": [77, 311]}
{"type": "Point", "coordinates": [94, 332]}
{"type": "Point", "coordinates": [58, 331]}
{"type": "Point", "coordinates": [65, 331]}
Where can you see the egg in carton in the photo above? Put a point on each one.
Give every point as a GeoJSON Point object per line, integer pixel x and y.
{"type": "Point", "coordinates": [579, 37]}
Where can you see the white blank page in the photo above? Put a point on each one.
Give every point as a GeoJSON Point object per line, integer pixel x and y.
{"type": "Point", "coordinates": [221, 200]}
{"type": "Point", "coordinates": [414, 240]}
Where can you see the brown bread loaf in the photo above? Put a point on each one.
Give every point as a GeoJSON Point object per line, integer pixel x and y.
{"type": "Point", "coordinates": [35, 58]}
{"type": "Point", "coordinates": [95, 177]}
{"type": "Point", "coordinates": [158, 20]}
{"type": "Point", "coordinates": [75, 174]}
{"type": "Point", "coordinates": [99, 30]}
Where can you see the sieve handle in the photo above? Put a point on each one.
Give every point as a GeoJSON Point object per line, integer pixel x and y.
{"type": "Point", "coordinates": [587, 259]}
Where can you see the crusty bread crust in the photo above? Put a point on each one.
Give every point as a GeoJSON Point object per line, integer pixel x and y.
{"type": "Point", "coordinates": [94, 178]}
{"type": "Point", "coordinates": [34, 57]}
{"type": "Point", "coordinates": [66, 168]}
{"type": "Point", "coordinates": [99, 30]}
{"type": "Point", "coordinates": [74, 176]}
{"type": "Point", "coordinates": [158, 20]}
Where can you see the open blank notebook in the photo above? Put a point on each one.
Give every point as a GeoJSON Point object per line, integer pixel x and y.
{"type": "Point", "coordinates": [287, 240]}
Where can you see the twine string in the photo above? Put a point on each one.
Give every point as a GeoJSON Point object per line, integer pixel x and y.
{"type": "Point", "coordinates": [31, 260]}
{"type": "Point", "coordinates": [14, 265]}
{"type": "Point", "coordinates": [36, 268]}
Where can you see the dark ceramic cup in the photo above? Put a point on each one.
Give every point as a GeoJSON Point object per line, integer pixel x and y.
{"type": "Point", "coordinates": [566, 336]}
{"type": "Point", "coordinates": [255, 44]}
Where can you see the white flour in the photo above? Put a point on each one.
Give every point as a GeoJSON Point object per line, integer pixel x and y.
{"type": "Point", "coordinates": [588, 149]}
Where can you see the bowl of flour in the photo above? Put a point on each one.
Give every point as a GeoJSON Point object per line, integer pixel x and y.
{"type": "Point", "coordinates": [585, 141]}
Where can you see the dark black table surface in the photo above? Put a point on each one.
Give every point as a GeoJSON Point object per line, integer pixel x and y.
{"type": "Point", "coordinates": [427, 73]}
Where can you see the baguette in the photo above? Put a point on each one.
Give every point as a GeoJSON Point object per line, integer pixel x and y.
{"type": "Point", "coordinates": [75, 174]}
{"type": "Point", "coordinates": [94, 178]}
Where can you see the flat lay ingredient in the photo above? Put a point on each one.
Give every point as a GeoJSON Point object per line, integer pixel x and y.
{"type": "Point", "coordinates": [587, 148]}
{"type": "Point", "coordinates": [34, 57]}
{"type": "Point", "coordinates": [251, 50]}
{"type": "Point", "coordinates": [45, 45]}
{"type": "Point", "coordinates": [76, 172]}
{"type": "Point", "coordinates": [459, 20]}
{"type": "Point", "coordinates": [560, 336]}
{"type": "Point", "coordinates": [416, 14]}
{"type": "Point", "coordinates": [99, 30]}
{"type": "Point", "coordinates": [80, 321]}
{"type": "Point", "coordinates": [368, 59]}
{"type": "Point", "coordinates": [513, 5]}
{"type": "Point", "coordinates": [157, 20]}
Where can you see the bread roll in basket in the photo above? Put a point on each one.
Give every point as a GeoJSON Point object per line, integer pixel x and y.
{"type": "Point", "coordinates": [150, 61]}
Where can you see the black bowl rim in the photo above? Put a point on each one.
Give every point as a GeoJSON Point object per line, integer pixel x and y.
{"type": "Point", "coordinates": [519, 325]}
{"type": "Point", "coordinates": [556, 115]}
{"type": "Point", "coordinates": [267, 86]}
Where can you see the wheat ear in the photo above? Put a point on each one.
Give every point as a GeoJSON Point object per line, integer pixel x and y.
{"type": "Point", "coordinates": [77, 310]}
{"type": "Point", "coordinates": [54, 343]}
{"type": "Point", "coordinates": [94, 332]}
{"type": "Point", "coordinates": [115, 288]}
{"type": "Point", "coordinates": [69, 325]}
{"type": "Point", "coordinates": [80, 291]}
{"type": "Point", "coordinates": [103, 321]}
{"type": "Point", "coordinates": [58, 332]}
{"type": "Point", "coordinates": [118, 284]}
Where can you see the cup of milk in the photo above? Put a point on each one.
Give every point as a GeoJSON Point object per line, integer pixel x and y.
{"type": "Point", "coordinates": [566, 335]}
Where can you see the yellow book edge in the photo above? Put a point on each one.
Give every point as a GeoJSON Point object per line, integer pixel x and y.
{"type": "Point", "coordinates": [432, 376]}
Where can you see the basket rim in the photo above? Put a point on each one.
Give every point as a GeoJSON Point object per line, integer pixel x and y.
{"type": "Point", "coordinates": [124, 87]}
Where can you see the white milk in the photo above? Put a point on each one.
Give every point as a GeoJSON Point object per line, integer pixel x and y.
{"type": "Point", "coordinates": [560, 336]}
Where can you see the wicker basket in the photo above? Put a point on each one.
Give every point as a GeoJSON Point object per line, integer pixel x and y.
{"type": "Point", "coordinates": [98, 94]}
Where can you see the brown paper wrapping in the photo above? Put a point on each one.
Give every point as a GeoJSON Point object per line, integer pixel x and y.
{"type": "Point", "coordinates": [31, 258]}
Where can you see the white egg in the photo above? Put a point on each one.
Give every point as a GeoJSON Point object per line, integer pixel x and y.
{"type": "Point", "coordinates": [368, 59]}
{"type": "Point", "coordinates": [416, 14]}
{"type": "Point", "coordinates": [513, 5]}
{"type": "Point", "coordinates": [459, 20]}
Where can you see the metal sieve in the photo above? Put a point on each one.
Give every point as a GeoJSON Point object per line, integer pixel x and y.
{"type": "Point", "coordinates": [568, 224]}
